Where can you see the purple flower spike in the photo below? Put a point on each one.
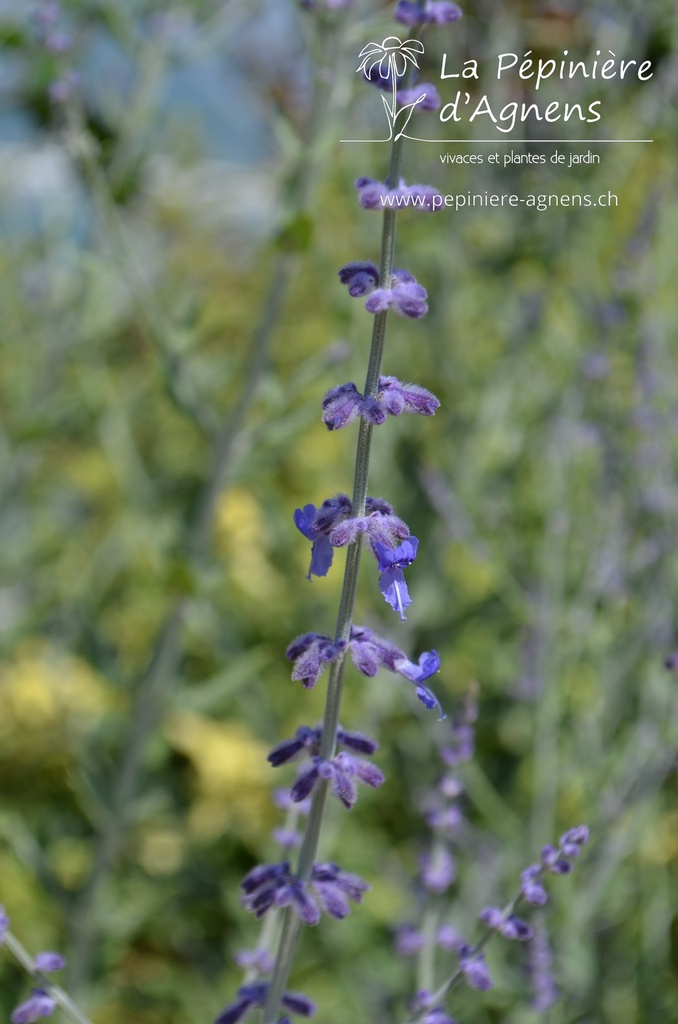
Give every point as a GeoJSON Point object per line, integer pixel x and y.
{"type": "Point", "coordinates": [4, 923]}
{"type": "Point", "coordinates": [40, 1004]}
{"type": "Point", "coordinates": [49, 962]}
{"type": "Point", "coordinates": [361, 277]}
{"type": "Point", "coordinates": [391, 580]}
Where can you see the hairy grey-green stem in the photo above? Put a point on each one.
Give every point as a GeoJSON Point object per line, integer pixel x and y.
{"type": "Point", "coordinates": [291, 924]}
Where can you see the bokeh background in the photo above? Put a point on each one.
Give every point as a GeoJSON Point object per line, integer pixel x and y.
{"type": "Point", "coordinates": [175, 205]}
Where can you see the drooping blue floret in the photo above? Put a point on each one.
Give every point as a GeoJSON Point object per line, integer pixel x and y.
{"type": "Point", "coordinates": [392, 584]}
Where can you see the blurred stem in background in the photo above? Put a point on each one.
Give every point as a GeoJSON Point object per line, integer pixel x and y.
{"type": "Point", "coordinates": [325, 47]}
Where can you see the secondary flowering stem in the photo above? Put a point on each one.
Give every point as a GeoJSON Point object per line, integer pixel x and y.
{"type": "Point", "coordinates": [23, 957]}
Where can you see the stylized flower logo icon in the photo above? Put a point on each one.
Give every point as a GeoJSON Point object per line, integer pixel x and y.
{"type": "Point", "coordinates": [390, 59]}
{"type": "Point", "coordinates": [391, 56]}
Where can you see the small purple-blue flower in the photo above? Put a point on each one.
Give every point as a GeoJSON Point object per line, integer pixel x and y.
{"type": "Point", "coordinates": [392, 584]}
{"type": "Point", "coordinates": [316, 524]}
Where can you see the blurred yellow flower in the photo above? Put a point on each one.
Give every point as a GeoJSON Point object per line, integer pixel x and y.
{"type": "Point", "coordinates": [44, 688]}
{"type": "Point", "coordinates": [240, 535]}
{"type": "Point", "coordinates": [233, 777]}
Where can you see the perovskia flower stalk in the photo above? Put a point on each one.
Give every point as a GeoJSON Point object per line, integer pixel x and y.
{"type": "Point", "coordinates": [355, 522]}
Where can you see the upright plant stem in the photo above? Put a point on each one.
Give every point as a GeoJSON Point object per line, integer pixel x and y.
{"type": "Point", "coordinates": [291, 924]}
{"type": "Point", "coordinates": [153, 687]}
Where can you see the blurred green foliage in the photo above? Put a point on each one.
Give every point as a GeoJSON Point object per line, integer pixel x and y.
{"type": "Point", "coordinates": [544, 493]}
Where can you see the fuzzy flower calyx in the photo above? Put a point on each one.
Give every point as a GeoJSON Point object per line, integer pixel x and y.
{"type": "Point", "coordinates": [344, 404]}
{"type": "Point", "coordinates": [343, 771]}
{"type": "Point", "coordinates": [405, 296]}
{"type": "Point", "coordinates": [274, 885]}
{"type": "Point", "coordinates": [369, 653]}
{"type": "Point", "coordinates": [310, 652]}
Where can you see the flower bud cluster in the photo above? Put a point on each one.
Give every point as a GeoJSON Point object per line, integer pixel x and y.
{"type": "Point", "coordinates": [329, 889]}
{"type": "Point", "coordinates": [344, 403]}
{"type": "Point", "coordinates": [403, 293]}
{"type": "Point", "coordinates": [376, 195]}
{"type": "Point", "coordinates": [343, 771]}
